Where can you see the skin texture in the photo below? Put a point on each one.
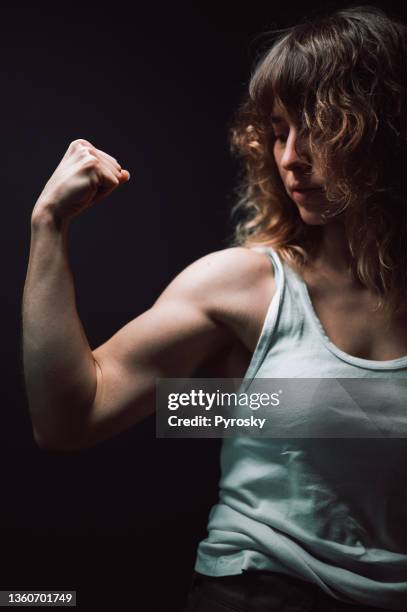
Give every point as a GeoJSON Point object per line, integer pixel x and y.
{"type": "Point", "coordinates": [205, 323]}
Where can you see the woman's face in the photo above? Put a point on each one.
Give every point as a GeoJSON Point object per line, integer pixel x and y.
{"type": "Point", "coordinates": [298, 171]}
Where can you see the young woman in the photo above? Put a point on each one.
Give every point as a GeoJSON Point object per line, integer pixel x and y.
{"type": "Point", "coordinates": [315, 286]}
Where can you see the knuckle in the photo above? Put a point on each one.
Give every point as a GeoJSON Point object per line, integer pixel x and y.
{"type": "Point", "coordinates": [94, 162]}
{"type": "Point", "coordinates": [87, 153]}
{"type": "Point", "coordinates": [91, 162]}
{"type": "Point", "coordinates": [79, 143]}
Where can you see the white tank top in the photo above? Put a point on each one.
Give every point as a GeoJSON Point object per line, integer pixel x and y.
{"type": "Point", "coordinates": [331, 511]}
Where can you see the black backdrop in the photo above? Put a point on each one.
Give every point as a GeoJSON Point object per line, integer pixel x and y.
{"type": "Point", "coordinates": [154, 86]}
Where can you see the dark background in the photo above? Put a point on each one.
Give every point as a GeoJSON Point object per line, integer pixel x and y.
{"type": "Point", "coordinates": [155, 87]}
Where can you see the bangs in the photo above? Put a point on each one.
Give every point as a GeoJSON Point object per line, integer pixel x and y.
{"type": "Point", "coordinates": [287, 73]}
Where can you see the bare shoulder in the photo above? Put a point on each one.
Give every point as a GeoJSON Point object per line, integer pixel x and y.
{"type": "Point", "coordinates": [239, 265]}
{"type": "Point", "coordinates": [233, 270]}
{"type": "Point", "coordinates": [234, 286]}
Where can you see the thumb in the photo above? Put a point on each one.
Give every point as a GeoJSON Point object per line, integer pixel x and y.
{"type": "Point", "coordinates": [124, 176]}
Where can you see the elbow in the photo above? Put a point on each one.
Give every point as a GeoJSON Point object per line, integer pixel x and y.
{"type": "Point", "coordinates": [53, 444]}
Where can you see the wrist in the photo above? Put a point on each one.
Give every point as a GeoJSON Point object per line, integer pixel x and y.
{"type": "Point", "coordinates": [44, 216]}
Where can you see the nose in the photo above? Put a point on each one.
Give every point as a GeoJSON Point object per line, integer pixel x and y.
{"type": "Point", "coordinates": [295, 153]}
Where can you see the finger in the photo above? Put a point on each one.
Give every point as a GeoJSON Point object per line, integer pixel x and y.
{"type": "Point", "coordinates": [106, 156]}
{"type": "Point", "coordinates": [113, 164]}
{"type": "Point", "coordinates": [80, 145]}
{"type": "Point", "coordinates": [124, 176]}
{"type": "Point", "coordinates": [120, 173]}
{"type": "Point", "coordinates": [111, 161]}
{"type": "Point", "coordinates": [108, 181]}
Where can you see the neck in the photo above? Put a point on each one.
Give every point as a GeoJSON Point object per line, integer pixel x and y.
{"type": "Point", "coordinates": [334, 252]}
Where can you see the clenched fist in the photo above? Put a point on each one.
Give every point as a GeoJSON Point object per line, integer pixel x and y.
{"type": "Point", "coordinates": [84, 176]}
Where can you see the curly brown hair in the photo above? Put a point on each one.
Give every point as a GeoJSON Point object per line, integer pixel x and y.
{"type": "Point", "coordinates": [343, 76]}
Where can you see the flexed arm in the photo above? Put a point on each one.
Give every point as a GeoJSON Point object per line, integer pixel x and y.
{"type": "Point", "coordinates": [59, 369]}
{"type": "Point", "coordinates": [76, 396]}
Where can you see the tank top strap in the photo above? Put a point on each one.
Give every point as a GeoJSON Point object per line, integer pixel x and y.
{"type": "Point", "coordinates": [285, 316]}
{"type": "Point", "coordinates": [284, 274]}
{"type": "Point", "coordinates": [279, 273]}
{"type": "Point", "coordinates": [291, 318]}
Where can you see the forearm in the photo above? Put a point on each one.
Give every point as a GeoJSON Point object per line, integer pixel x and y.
{"type": "Point", "coordinates": [59, 369]}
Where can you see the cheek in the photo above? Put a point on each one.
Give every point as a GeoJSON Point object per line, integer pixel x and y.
{"type": "Point", "coordinates": [277, 160]}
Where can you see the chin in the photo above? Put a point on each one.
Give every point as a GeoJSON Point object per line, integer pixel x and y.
{"type": "Point", "coordinates": [312, 218]}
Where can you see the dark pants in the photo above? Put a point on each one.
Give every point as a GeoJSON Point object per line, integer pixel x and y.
{"type": "Point", "coordinates": [258, 591]}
